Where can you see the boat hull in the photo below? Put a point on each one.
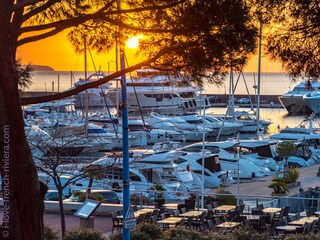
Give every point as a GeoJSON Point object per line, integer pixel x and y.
{"type": "Point", "coordinates": [295, 104]}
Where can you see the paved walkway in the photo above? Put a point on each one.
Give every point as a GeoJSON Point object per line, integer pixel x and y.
{"type": "Point", "coordinates": [102, 223]}
{"type": "Point", "coordinates": [259, 187]}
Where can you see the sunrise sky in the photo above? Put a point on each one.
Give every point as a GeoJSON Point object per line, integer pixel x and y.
{"type": "Point", "coordinates": [57, 53]}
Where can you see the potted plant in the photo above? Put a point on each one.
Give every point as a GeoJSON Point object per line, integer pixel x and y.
{"type": "Point", "coordinates": [286, 149]}
{"type": "Point", "coordinates": [279, 187]}
{"type": "Point", "coordinates": [159, 200]}
{"type": "Point", "coordinates": [292, 177]}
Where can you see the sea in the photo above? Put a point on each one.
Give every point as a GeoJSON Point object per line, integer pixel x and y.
{"type": "Point", "coordinates": [270, 84]}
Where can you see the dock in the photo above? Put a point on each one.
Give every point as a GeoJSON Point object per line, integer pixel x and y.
{"type": "Point", "coordinates": [218, 100]}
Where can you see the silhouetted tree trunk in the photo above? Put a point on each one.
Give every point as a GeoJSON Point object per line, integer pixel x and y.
{"type": "Point", "coordinates": [23, 214]}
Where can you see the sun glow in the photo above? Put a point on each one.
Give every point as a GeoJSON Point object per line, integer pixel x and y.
{"type": "Point", "coordinates": [133, 42]}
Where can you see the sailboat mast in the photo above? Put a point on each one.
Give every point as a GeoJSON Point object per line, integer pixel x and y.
{"type": "Point", "coordinates": [259, 78]}
{"type": "Point", "coordinates": [86, 92]}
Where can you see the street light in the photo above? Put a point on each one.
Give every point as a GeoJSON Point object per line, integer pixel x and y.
{"type": "Point", "coordinates": [238, 157]}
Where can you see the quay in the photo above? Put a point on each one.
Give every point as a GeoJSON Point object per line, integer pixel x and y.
{"type": "Point", "coordinates": [259, 186]}
{"type": "Point", "coordinates": [218, 100]}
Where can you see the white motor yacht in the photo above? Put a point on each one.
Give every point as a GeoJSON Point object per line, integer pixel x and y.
{"type": "Point", "coordinates": [312, 100]}
{"type": "Point", "coordinates": [96, 96]}
{"type": "Point", "coordinates": [162, 92]}
{"type": "Point", "coordinates": [228, 159]}
{"type": "Point", "coordinates": [293, 100]}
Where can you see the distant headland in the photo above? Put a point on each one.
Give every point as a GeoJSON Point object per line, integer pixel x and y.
{"type": "Point", "coordinates": [36, 67]}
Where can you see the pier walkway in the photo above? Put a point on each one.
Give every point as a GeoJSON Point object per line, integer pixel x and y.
{"type": "Point", "coordinates": [308, 178]}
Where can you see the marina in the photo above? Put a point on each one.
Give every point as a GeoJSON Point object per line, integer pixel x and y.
{"type": "Point", "coordinates": [179, 147]}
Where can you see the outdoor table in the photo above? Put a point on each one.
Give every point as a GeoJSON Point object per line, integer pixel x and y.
{"type": "Point", "coordinates": [171, 205]}
{"type": "Point", "coordinates": [287, 228]}
{"type": "Point", "coordinates": [251, 217]}
{"type": "Point", "coordinates": [192, 213]}
{"type": "Point", "coordinates": [303, 220]}
{"type": "Point", "coordinates": [271, 210]}
{"type": "Point", "coordinates": [145, 210]}
{"type": "Point", "coordinates": [225, 208]}
{"type": "Point", "coordinates": [228, 225]}
{"type": "Point", "coordinates": [170, 220]}
{"type": "Point", "coordinates": [138, 213]}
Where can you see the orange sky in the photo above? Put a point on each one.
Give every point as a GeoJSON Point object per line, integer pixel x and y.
{"type": "Point", "coordinates": [57, 53]}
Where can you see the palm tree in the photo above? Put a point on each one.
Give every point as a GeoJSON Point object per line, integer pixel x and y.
{"type": "Point", "coordinates": [24, 75]}
{"type": "Point", "coordinates": [286, 149]}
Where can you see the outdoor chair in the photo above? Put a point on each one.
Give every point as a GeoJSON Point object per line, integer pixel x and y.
{"type": "Point", "coordinates": [153, 219]}
{"type": "Point", "coordinates": [135, 208]}
{"type": "Point", "coordinates": [258, 210]}
{"type": "Point", "coordinates": [217, 221]}
{"type": "Point", "coordinates": [210, 225]}
{"type": "Point", "coordinates": [307, 227]}
{"type": "Point", "coordinates": [183, 210]}
{"type": "Point", "coordinates": [141, 218]}
{"type": "Point", "coordinates": [116, 223]}
{"type": "Point", "coordinates": [215, 204]}
{"type": "Point", "coordinates": [189, 223]}
{"type": "Point", "coordinates": [313, 226]}
{"type": "Point", "coordinates": [147, 216]}
{"type": "Point", "coordinates": [209, 206]}
{"type": "Point", "coordinates": [163, 216]}
{"type": "Point", "coordinates": [199, 223]}
{"type": "Point", "coordinates": [155, 212]}
{"type": "Point", "coordinates": [176, 213]}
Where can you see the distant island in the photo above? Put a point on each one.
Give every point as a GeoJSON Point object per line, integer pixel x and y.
{"type": "Point", "coordinates": [36, 67]}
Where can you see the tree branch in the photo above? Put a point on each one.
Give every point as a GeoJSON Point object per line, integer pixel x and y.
{"type": "Point", "coordinates": [26, 3]}
{"type": "Point", "coordinates": [68, 93]}
{"type": "Point", "coordinates": [39, 37]}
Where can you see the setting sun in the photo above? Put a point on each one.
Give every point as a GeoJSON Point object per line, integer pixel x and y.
{"type": "Point", "coordinates": [133, 42]}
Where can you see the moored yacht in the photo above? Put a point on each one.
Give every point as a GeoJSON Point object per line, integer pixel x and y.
{"type": "Point", "coordinates": [312, 100]}
{"type": "Point", "coordinates": [293, 100]}
{"type": "Point", "coordinates": [162, 92]}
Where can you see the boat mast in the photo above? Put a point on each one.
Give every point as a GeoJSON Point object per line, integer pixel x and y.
{"type": "Point", "coordinates": [259, 75]}
{"type": "Point", "coordinates": [86, 92]}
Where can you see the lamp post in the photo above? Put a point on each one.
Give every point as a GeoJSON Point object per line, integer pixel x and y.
{"type": "Point", "coordinates": [203, 151]}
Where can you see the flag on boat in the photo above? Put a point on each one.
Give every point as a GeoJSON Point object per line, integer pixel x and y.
{"type": "Point", "coordinates": [188, 168]}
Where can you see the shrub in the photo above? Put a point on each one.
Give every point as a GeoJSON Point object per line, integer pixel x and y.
{"type": "Point", "coordinates": [160, 189]}
{"type": "Point", "coordinates": [115, 236]}
{"type": "Point", "coordinates": [219, 236]}
{"type": "Point", "coordinates": [239, 234]}
{"type": "Point", "coordinates": [146, 231]}
{"type": "Point", "coordinates": [94, 196]}
{"type": "Point", "coordinates": [292, 175]}
{"type": "Point", "coordinates": [84, 234]}
{"type": "Point", "coordinates": [302, 237]}
{"type": "Point", "coordinates": [279, 185]}
{"type": "Point", "coordinates": [50, 234]}
{"type": "Point", "coordinates": [225, 200]}
{"type": "Point", "coordinates": [242, 234]}
{"type": "Point", "coordinates": [136, 198]}
{"type": "Point", "coordinates": [143, 231]}
{"type": "Point", "coordinates": [182, 234]}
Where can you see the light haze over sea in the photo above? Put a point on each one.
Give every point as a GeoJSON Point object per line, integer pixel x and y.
{"type": "Point", "coordinates": [271, 84]}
